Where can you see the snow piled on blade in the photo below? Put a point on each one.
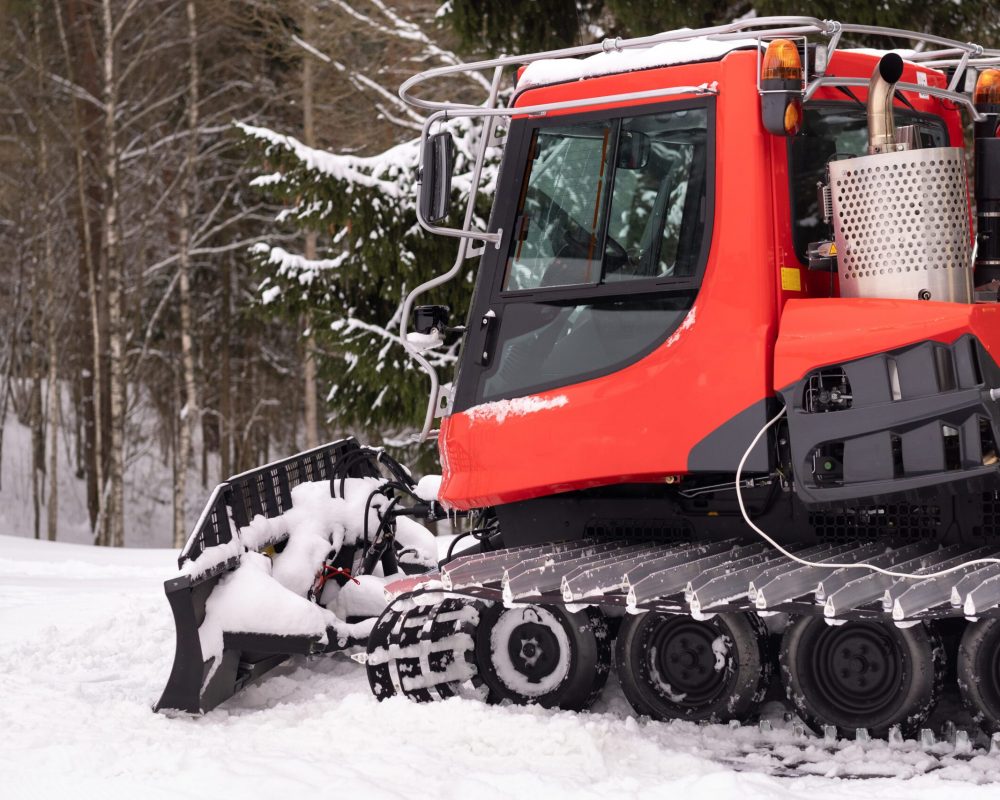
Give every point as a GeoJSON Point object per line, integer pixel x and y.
{"type": "Point", "coordinates": [560, 70]}
{"type": "Point", "coordinates": [318, 521]}
{"type": "Point", "coordinates": [315, 524]}
{"type": "Point", "coordinates": [415, 537]}
{"type": "Point", "coordinates": [499, 410]}
{"type": "Point", "coordinates": [268, 594]}
{"type": "Point", "coordinates": [428, 488]}
{"type": "Point", "coordinates": [248, 600]}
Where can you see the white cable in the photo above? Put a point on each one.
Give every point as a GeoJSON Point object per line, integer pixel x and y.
{"type": "Point", "coordinates": [833, 564]}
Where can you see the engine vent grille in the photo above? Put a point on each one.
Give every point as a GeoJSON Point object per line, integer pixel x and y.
{"type": "Point", "coordinates": [990, 528]}
{"type": "Point", "coordinates": [901, 522]}
{"type": "Point", "coordinates": [901, 223]}
{"type": "Point", "coordinates": [659, 530]}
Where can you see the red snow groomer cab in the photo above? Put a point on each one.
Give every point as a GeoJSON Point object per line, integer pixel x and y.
{"type": "Point", "coordinates": [727, 394]}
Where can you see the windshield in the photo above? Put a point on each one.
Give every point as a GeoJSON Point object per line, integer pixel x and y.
{"type": "Point", "coordinates": [829, 132]}
{"type": "Point", "coordinates": [610, 201]}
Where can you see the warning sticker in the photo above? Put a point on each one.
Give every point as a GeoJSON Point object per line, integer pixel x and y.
{"type": "Point", "coordinates": [922, 81]}
{"type": "Point", "coordinates": [791, 279]}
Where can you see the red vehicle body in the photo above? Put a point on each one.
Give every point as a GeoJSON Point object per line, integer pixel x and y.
{"type": "Point", "coordinates": [757, 325]}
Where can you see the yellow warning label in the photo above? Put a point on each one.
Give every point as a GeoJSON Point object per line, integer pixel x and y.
{"type": "Point", "coordinates": [791, 279]}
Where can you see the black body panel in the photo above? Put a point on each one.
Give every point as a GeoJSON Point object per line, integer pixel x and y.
{"type": "Point", "coordinates": [903, 423]}
{"type": "Point", "coordinates": [659, 513]}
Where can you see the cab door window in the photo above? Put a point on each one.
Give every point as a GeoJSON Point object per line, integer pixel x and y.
{"type": "Point", "coordinates": [558, 223]}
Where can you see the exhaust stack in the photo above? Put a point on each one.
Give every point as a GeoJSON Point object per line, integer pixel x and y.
{"type": "Point", "coordinates": [900, 213]}
{"type": "Point", "coordinates": [881, 91]}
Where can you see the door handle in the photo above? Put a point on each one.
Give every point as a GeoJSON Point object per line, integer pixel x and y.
{"type": "Point", "coordinates": [488, 326]}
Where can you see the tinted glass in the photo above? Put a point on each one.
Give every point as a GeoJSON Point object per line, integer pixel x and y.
{"type": "Point", "coordinates": [553, 344]}
{"type": "Point", "coordinates": [566, 234]}
{"type": "Point", "coordinates": [559, 221]}
{"type": "Point", "coordinates": [658, 186]}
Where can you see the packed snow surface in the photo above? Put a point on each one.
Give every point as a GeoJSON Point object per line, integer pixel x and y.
{"type": "Point", "coordinates": [86, 643]}
{"type": "Point", "coordinates": [560, 70]}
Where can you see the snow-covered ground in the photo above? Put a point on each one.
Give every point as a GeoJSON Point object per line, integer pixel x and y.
{"type": "Point", "coordinates": [86, 643]}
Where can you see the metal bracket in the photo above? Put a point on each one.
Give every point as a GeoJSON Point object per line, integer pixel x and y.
{"type": "Point", "coordinates": [445, 400]}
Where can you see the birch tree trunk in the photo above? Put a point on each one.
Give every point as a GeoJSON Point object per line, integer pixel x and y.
{"type": "Point", "coordinates": [83, 67]}
{"type": "Point", "coordinates": [189, 412]}
{"type": "Point", "coordinates": [225, 379]}
{"type": "Point", "coordinates": [48, 310]}
{"type": "Point", "coordinates": [114, 529]}
{"type": "Point", "coordinates": [55, 396]}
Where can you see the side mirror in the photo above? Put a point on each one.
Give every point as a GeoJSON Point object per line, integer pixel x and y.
{"type": "Point", "coordinates": [435, 177]}
{"type": "Point", "coordinates": [633, 150]}
{"type": "Point", "coordinates": [430, 318]}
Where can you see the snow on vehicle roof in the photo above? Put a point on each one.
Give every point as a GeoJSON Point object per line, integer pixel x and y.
{"type": "Point", "coordinates": [903, 53]}
{"type": "Point", "coordinates": [560, 70]}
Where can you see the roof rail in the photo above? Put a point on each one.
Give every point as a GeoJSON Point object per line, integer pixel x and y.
{"type": "Point", "coordinates": [933, 51]}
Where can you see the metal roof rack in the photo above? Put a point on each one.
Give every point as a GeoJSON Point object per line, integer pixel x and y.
{"type": "Point", "coordinates": [933, 51]}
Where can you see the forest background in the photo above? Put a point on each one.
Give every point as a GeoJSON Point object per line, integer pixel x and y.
{"type": "Point", "coordinates": [207, 227]}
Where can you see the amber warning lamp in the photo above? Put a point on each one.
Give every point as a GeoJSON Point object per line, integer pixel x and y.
{"type": "Point", "coordinates": [987, 94]}
{"type": "Point", "coordinates": [986, 98]}
{"type": "Point", "coordinates": [781, 88]}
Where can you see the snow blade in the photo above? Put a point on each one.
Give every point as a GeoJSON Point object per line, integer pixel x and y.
{"type": "Point", "coordinates": [245, 656]}
{"type": "Point", "coordinates": [198, 684]}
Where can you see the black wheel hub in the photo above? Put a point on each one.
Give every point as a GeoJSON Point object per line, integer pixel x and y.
{"type": "Point", "coordinates": [858, 667]}
{"type": "Point", "coordinates": [533, 650]}
{"type": "Point", "coordinates": [683, 660]}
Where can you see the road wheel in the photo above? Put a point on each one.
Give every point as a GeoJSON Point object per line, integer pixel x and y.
{"type": "Point", "coordinates": [543, 654]}
{"type": "Point", "coordinates": [672, 666]}
{"type": "Point", "coordinates": [979, 672]}
{"type": "Point", "coordinates": [870, 675]}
